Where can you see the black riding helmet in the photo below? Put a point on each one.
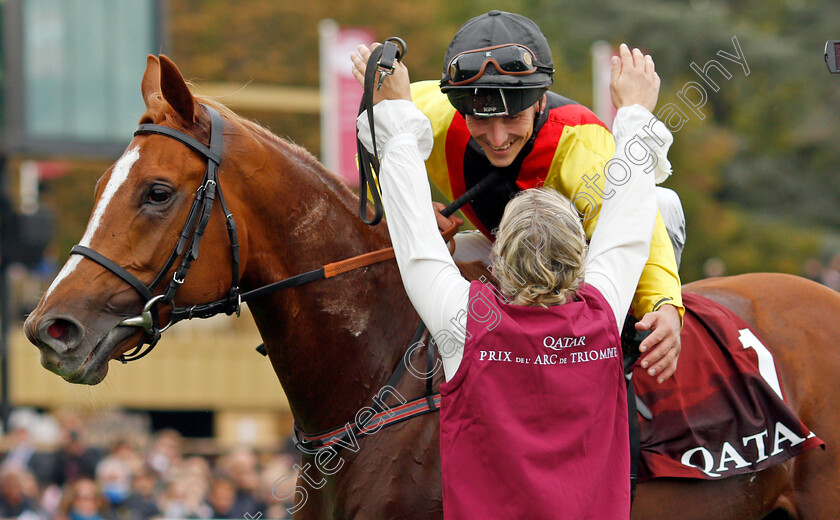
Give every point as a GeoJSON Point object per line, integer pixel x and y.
{"type": "Point", "coordinates": [498, 63]}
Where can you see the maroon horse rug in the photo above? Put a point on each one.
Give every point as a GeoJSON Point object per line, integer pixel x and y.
{"type": "Point", "coordinates": [723, 412]}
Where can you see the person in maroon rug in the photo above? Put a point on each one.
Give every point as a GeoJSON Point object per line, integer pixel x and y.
{"type": "Point", "coordinates": [534, 407]}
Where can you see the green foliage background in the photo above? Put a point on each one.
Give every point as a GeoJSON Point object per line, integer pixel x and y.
{"type": "Point", "coordinates": [757, 175]}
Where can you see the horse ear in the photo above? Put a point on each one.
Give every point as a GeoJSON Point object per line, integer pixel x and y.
{"type": "Point", "coordinates": [175, 90]}
{"type": "Point", "coordinates": [151, 80]}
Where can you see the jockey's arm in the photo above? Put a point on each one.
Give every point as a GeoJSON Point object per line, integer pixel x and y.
{"type": "Point", "coordinates": [431, 279]}
{"type": "Point", "coordinates": [578, 171]}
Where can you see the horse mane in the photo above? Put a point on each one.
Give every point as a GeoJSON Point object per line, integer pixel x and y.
{"type": "Point", "coordinates": [291, 149]}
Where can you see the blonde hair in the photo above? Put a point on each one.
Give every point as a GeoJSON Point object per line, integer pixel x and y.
{"type": "Point", "coordinates": [540, 249]}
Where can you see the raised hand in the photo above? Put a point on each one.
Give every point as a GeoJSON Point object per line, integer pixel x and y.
{"type": "Point", "coordinates": [633, 79]}
{"type": "Point", "coordinates": [395, 86]}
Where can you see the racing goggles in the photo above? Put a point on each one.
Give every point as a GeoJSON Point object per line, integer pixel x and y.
{"type": "Point", "coordinates": [508, 59]}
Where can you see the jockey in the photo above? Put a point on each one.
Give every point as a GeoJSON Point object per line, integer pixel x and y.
{"type": "Point", "coordinates": [492, 111]}
{"type": "Point", "coordinates": [533, 409]}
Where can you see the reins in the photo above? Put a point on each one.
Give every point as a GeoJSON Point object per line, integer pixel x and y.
{"type": "Point", "coordinates": [327, 271]}
{"type": "Point", "coordinates": [382, 59]}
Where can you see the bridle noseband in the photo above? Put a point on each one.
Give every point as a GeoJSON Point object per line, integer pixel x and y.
{"type": "Point", "coordinates": [189, 241]}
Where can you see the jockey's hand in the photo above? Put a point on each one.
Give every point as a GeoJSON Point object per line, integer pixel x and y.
{"type": "Point", "coordinates": [395, 86]}
{"type": "Point", "coordinates": [661, 349]}
{"type": "Point", "coordinates": [633, 79]}
{"type": "Point", "coordinates": [445, 223]}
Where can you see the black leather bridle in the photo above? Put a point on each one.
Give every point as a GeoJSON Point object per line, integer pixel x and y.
{"type": "Point", "coordinates": [188, 245]}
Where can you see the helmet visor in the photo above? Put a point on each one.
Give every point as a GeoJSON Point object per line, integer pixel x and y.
{"type": "Point", "coordinates": [492, 102]}
{"type": "Point", "coordinates": [508, 59]}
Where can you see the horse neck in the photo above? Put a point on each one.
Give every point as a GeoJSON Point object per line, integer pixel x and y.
{"type": "Point", "coordinates": [333, 343]}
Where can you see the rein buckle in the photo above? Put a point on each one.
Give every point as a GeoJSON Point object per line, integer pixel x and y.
{"type": "Point", "coordinates": [393, 50]}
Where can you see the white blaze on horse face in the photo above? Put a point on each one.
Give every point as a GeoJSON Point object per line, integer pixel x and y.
{"type": "Point", "coordinates": [118, 176]}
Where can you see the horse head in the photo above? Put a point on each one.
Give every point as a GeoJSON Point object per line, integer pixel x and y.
{"type": "Point", "coordinates": [141, 204]}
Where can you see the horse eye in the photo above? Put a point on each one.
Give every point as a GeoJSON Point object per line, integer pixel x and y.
{"type": "Point", "coordinates": [157, 195]}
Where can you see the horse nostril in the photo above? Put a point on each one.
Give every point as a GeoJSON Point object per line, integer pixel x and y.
{"type": "Point", "coordinates": [61, 334]}
{"type": "Point", "coordinates": [58, 328]}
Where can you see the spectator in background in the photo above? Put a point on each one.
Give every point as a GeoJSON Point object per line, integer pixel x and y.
{"type": "Point", "coordinates": [21, 449]}
{"type": "Point", "coordinates": [186, 494]}
{"type": "Point", "coordinates": [180, 500]}
{"type": "Point", "coordinates": [140, 503]}
{"type": "Point", "coordinates": [197, 472]}
{"type": "Point", "coordinates": [241, 467]}
{"type": "Point", "coordinates": [223, 499]}
{"type": "Point", "coordinates": [277, 485]}
{"type": "Point", "coordinates": [114, 479]}
{"type": "Point", "coordinates": [831, 274]}
{"type": "Point", "coordinates": [166, 453]}
{"type": "Point", "coordinates": [16, 501]}
{"type": "Point", "coordinates": [812, 269]}
{"type": "Point", "coordinates": [22, 454]}
{"type": "Point", "coordinates": [126, 450]}
{"type": "Point", "coordinates": [83, 501]}
{"type": "Point", "coordinates": [74, 460]}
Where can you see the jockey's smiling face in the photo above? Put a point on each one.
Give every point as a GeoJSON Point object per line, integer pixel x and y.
{"type": "Point", "coordinates": [503, 137]}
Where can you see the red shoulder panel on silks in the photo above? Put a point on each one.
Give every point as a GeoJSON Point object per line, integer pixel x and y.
{"type": "Point", "coordinates": [723, 413]}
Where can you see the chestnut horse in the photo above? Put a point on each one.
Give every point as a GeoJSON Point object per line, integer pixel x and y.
{"type": "Point", "coordinates": [334, 343]}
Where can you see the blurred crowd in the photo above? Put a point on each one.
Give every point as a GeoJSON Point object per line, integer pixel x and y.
{"type": "Point", "coordinates": [144, 476]}
{"type": "Point", "coordinates": [827, 274]}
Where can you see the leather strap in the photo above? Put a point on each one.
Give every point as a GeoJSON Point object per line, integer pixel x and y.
{"type": "Point", "coordinates": [114, 268]}
{"type": "Point", "coordinates": [430, 402]}
{"type": "Point", "coordinates": [214, 155]}
{"type": "Point", "coordinates": [310, 444]}
{"type": "Point", "coordinates": [356, 262]}
{"type": "Point", "coordinates": [381, 59]}
{"type": "Point", "coordinates": [373, 257]}
{"type": "Point", "coordinates": [430, 363]}
{"type": "Point", "coordinates": [630, 340]}
{"type": "Point", "coordinates": [369, 163]}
